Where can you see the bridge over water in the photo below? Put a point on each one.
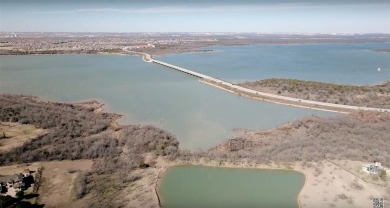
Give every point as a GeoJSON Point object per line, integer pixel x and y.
{"type": "Point", "coordinates": [262, 95]}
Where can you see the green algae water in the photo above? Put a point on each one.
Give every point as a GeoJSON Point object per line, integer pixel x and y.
{"type": "Point", "coordinates": [212, 187]}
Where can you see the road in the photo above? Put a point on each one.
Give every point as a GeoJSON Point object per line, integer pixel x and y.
{"type": "Point", "coordinates": [146, 57]}
{"type": "Point", "coordinates": [238, 89]}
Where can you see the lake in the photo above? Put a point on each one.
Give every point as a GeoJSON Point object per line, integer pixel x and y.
{"type": "Point", "coordinates": [336, 63]}
{"type": "Point", "coordinates": [200, 116]}
{"type": "Point", "coordinates": [212, 187]}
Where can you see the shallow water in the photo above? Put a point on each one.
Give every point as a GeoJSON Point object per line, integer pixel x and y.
{"type": "Point", "coordinates": [200, 116]}
{"type": "Point", "coordinates": [199, 186]}
{"type": "Point", "coordinates": [336, 63]}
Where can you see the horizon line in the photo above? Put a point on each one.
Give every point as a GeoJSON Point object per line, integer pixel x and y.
{"type": "Point", "coordinates": [330, 33]}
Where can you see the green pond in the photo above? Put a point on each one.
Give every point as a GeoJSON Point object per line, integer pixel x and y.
{"type": "Point", "coordinates": [212, 187]}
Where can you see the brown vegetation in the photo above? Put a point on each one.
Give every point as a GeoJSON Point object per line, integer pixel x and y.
{"type": "Point", "coordinates": [71, 135]}
{"type": "Point", "coordinates": [367, 96]}
{"type": "Point", "coordinates": [362, 136]}
{"type": "Point", "coordinates": [80, 132]}
{"type": "Point", "coordinates": [14, 135]}
{"type": "Point", "coordinates": [124, 156]}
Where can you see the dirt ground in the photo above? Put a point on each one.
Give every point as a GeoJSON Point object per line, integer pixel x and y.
{"type": "Point", "coordinates": [334, 184]}
{"type": "Point", "coordinates": [58, 179]}
{"type": "Point", "coordinates": [17, 134]}
{"type": "Point", "coordinates": [142, 193]}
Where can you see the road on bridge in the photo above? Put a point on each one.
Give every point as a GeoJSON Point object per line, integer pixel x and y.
{"type": "Point", "coordinates": [238, 89]}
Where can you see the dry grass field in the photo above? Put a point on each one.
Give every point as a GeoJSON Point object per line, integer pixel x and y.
{"type": "Point", "coordinates": [14, 135]}
{"type": "Point", "coordinates": [58, 180]}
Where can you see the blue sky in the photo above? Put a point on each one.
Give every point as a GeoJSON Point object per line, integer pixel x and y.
{"type": "Point", "coordinates": [264, 16]}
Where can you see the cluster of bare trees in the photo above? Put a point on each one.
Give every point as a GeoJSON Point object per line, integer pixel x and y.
{"type": "Point", "coordinates": [69, 120]}
{"type": "Point", "coordinates": [362, 136]}
{"type": "Point", "coordinates": [115, 173]}
{"type": "Point", "coordinates": [72, 129]}
{"type": "Point", "coordinates": [368, 96]}
{"type": "Point", "coordinates": [80, 132]}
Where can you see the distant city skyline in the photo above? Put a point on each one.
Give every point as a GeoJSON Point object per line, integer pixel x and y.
{"type": "Point", "coordinates": [280, 16]}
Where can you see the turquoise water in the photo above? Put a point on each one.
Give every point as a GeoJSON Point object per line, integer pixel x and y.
{"type": "Point", "coordinates": [336, 63]}
{"type": "Point", "coordinates": [210, 187]}
{"type": "Point", "coordinates": [200, 116]}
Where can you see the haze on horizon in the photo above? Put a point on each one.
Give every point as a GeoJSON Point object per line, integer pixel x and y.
{"type": "Point", "coordinates": [263, 16]}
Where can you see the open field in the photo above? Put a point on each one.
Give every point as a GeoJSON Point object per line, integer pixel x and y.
{"type": "Point", "coordinates": [58, 180]}
{"type": "Point", "coordinates": [14, 135]}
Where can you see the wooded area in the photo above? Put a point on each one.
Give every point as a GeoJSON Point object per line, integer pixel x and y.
{"type": "Point", "coordinates": [79, 132]}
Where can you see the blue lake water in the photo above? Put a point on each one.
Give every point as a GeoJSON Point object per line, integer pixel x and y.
{"type": "Point", "coordinates": [200, 116]}
{"type": "Point", "coordinates": [336, 63]}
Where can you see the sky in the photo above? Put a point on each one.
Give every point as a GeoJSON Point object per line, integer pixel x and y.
{"type": "Point", "coordinates": [262, 16]}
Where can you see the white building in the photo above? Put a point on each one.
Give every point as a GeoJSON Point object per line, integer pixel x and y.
{"type": "Point", "coordinates": [372, 168]}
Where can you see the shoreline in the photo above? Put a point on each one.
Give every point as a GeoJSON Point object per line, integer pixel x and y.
{"type": "Point", "coordinates": [164, 169]}
{"type": "Point", "coordinates": [275, 102]}
{"type": "Point", "coordinates": [238, 89]}
{"type": "Point", "coordinates": [290, 100]}
{"type": "Point", "coordinates": [197, 47]}
{"type": "Point", "coordinates": [308, 194]}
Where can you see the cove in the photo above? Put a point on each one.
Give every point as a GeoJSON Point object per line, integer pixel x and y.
{"type": "Point", "coordinates": [199, 115]}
